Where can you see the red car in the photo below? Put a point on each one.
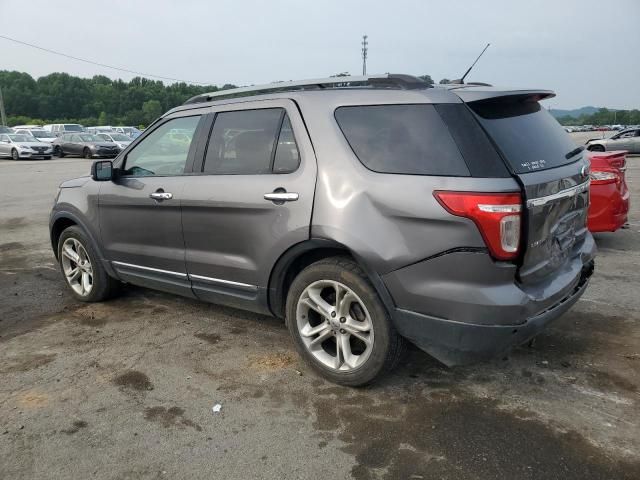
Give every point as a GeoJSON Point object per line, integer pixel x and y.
{"type": "Point", "coordinates": [609, 193]}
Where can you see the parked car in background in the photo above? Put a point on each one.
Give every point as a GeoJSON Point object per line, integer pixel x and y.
{"type": "Point", "coordinates": [120, 139]}
{"type": "Point", "coordinates": [628, 140]}
{"type": "Point", "coordinates": [40, 134]}
{"type": "Point", "coordinates": [99, 129]}
{"type": "Point", "coordinates": [84, 144]}
{"type": "Point", "coordinates": [23, 146]}
{"type": "Point", "coordinates": [415, 213]}
{"type": "Point", "coordinates": [4, 129]}
{"type": "Point", "coordinates": [610, 197]}
{"type": "Point", "coordinates": [60, 128]}
{"type": "Point", "coordinates": [132, 132]}
{"type": "Point", "coordinates": [26, 127]}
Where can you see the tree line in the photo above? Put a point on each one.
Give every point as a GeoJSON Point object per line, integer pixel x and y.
{"type": "Point", "coordinates": [604, 116]}
{"type": "Point", "coordinates": [63, 98]}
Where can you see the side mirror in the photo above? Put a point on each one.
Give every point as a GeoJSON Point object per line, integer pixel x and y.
{"type": "Point", "coordinates": [102, 171]}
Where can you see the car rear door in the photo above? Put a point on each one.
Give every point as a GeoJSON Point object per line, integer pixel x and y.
{"type": "Point", "coordinates": [554, 176]}
{"type": "Point", "coordinates": [140, 210]}
{"type": "Point", "coordinates": [249, 199]}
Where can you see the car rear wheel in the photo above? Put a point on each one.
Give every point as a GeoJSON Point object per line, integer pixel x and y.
{"type": "Point", "coordinates": [82, 269]}
{"type": "Point", "coordinates": [58, 151]}
{"type": "Point", "coordinates": [339, 324]}
{"type": "Point", "coordinates": [15, 155]}
{"type": "Point", "coordinates": [86, 153]}
{"type": "Point", "coordinates": [596, 148]}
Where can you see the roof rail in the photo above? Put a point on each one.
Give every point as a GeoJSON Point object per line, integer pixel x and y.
{"type": "Point", "coordinates": [389, 80]}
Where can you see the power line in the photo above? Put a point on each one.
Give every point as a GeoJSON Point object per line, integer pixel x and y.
{"type": "Point", "coordinates": [96, 63]}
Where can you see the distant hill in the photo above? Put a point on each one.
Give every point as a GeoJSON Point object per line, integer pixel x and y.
{"type": "Point", "coordinates": [576, 112]}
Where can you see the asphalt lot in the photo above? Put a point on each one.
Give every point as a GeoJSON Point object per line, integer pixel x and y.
{"type": "Point", "coordinates": [125, 389]}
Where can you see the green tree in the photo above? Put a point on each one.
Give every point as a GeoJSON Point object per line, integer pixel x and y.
{"type": "Point", "coordinates": [103, 119]}
{"type": "Point", "coordinates": [444, 81]}
{"type": "Point", "coordinates": [427, 79]}
{"type": "Point", "coordinates": [151, 109]}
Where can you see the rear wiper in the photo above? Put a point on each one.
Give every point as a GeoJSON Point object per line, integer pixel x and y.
{"type": "Point", "coordinates": [574, 152]}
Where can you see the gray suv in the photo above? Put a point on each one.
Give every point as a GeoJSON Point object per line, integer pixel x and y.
{"type": "Point", "coordinates": [365, 211]}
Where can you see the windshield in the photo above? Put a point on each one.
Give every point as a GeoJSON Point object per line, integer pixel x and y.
{"type": "Point", "coordinates": [21, 138]}
{"type": "Point", "coordinates": [89, 138]}
{"type": "Point", "coordinates": [528, 136]}
{"type": "Point", "coordinates": [73, 128]}
{"type": "Point", "coordinates": [119, 137]}
{"type": "Point", "coordinates": [42, 134]}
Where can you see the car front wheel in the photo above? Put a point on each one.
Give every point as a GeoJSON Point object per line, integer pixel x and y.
{"type": "Point", "coordinates": [339, 324]}
{"type": "Point", "coordinates": [15, 155]}
{"type": "Point", "coordinates": [82, 268]}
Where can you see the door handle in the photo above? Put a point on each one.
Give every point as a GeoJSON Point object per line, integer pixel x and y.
{"type": "Point", "coordinates": [281, 196]}
{"type": "Point", "coordinates": [161, 196]}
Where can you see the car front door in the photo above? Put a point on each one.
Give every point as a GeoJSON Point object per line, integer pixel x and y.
{"type": "Point", "coordinates": [140, 210]}
{"type": "Point", "coordinates": [249, 199]}
{"type": "Point", "coordinates": [5, 147]}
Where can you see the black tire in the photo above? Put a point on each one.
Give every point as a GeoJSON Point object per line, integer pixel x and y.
{"type": "Point", "coordinates": [596, 148]}
{"type": "Point", "coordinates": [86, 153]}
{"type": "Point", "coordinates": [104, 286]}
{"type": "Point", "coordinates": [47, 157]}
{"type": "Point", "coordinates": [388, 345]}
{"type": "Point", "coordinates": [57, 151]}
{"type": "Point", "coordinates": [15, 155]}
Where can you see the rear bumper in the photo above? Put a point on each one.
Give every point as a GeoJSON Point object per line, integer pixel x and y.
{"type": "Point", "coordinates": [455, 343]}
{"type": "Point", "coordinates": [462, 306]}
{"type": "Point", "coordinates": [608, 208]}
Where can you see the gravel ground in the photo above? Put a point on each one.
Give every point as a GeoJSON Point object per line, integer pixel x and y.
{"type": "Point", "coordinates": [125, 389]}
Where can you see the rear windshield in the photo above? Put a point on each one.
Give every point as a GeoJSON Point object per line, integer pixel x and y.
{"type": "Point", "coordinates": [423, 139]}
{"type": "Point", "coordinates": [528, 136]}
{"type": "Point", "coordinates": [72, 128]}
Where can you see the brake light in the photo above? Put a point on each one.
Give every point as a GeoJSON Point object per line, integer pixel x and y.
{"type": "Point", "coordinates": [497, 216]}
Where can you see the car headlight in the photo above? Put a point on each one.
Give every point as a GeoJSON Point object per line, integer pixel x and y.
{"type": "Point", "coordinates": [25, 147]}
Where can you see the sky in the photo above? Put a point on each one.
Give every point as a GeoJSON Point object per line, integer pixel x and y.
{"type": "Point", "coordinates": [584, 50]}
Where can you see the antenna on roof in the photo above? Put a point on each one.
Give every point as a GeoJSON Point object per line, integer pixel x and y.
{"type": "Point", "coordinates": [461, 80]}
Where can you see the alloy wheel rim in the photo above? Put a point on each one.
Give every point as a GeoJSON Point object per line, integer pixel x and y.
{"type": "Point", "coordinates": [77, 267]}
{"type": "Point", "coordinates": [334, 325]}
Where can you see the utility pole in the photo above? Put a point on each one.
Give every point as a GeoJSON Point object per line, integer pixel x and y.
{"type": "Point", "coordinates": [364, 54]}
{"type": "Point", "coordinates": [3, 115]}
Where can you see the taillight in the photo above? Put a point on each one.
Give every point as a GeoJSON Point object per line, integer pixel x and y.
{"type": "Point", "coordinates": [602, 177]}
{"type": "Point", "coordinates": [497, 216]}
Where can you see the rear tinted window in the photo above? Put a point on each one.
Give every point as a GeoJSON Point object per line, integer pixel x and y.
{"type": "Point", "coordinates": [405, 139]}
{"type": "Point", "coordinates": [528, 136]}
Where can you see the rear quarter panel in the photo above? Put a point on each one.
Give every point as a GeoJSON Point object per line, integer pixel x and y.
{"type": "Point", "coordinates": [388, 220]}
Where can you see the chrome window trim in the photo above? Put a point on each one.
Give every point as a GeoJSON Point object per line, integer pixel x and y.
{"type": "Point", "coordinates": [149, 269]}
{"type": "Point", "coordinates": [569, 192]}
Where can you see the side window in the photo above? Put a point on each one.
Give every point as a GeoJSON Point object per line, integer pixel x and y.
{"type": "Point", "coordinates": [243, 142]}
{"type": "Point", "coordinates": [4, 138]}
{"type": "Point", "coordinates": [164, 151]}
{"type": "Point", "coordinates": [287, 156]}
{"type": "Point", "coordinates": [404, 139]}
{"type": "Point", "coordinates": [76, 138]}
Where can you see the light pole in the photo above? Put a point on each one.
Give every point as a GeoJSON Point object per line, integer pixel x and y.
{"type": "Point", "coordinates": [3, 115]}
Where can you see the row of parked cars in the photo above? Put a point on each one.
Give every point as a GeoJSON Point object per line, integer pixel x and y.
{"type": "Point", "coordinates": [35, 141]}
{"type": "Point", "coordinates": [597, 128]}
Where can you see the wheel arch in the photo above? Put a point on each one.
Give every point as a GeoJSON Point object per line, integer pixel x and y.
{"type": "Point", "coordinates": [303, 254]}
{"type": "Point", "coordinates": [64, 219]}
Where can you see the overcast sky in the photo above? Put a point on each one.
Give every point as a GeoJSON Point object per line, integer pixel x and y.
{"type": "Point", "coordinates": [587, 51]}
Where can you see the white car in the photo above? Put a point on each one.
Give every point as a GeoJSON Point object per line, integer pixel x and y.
{"type": "Point", "coordinates": [23, 146]}
{"type": "Point", "coordinates": [119, 139]}
{"type": "Point", "coordinates": [39, 134]}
